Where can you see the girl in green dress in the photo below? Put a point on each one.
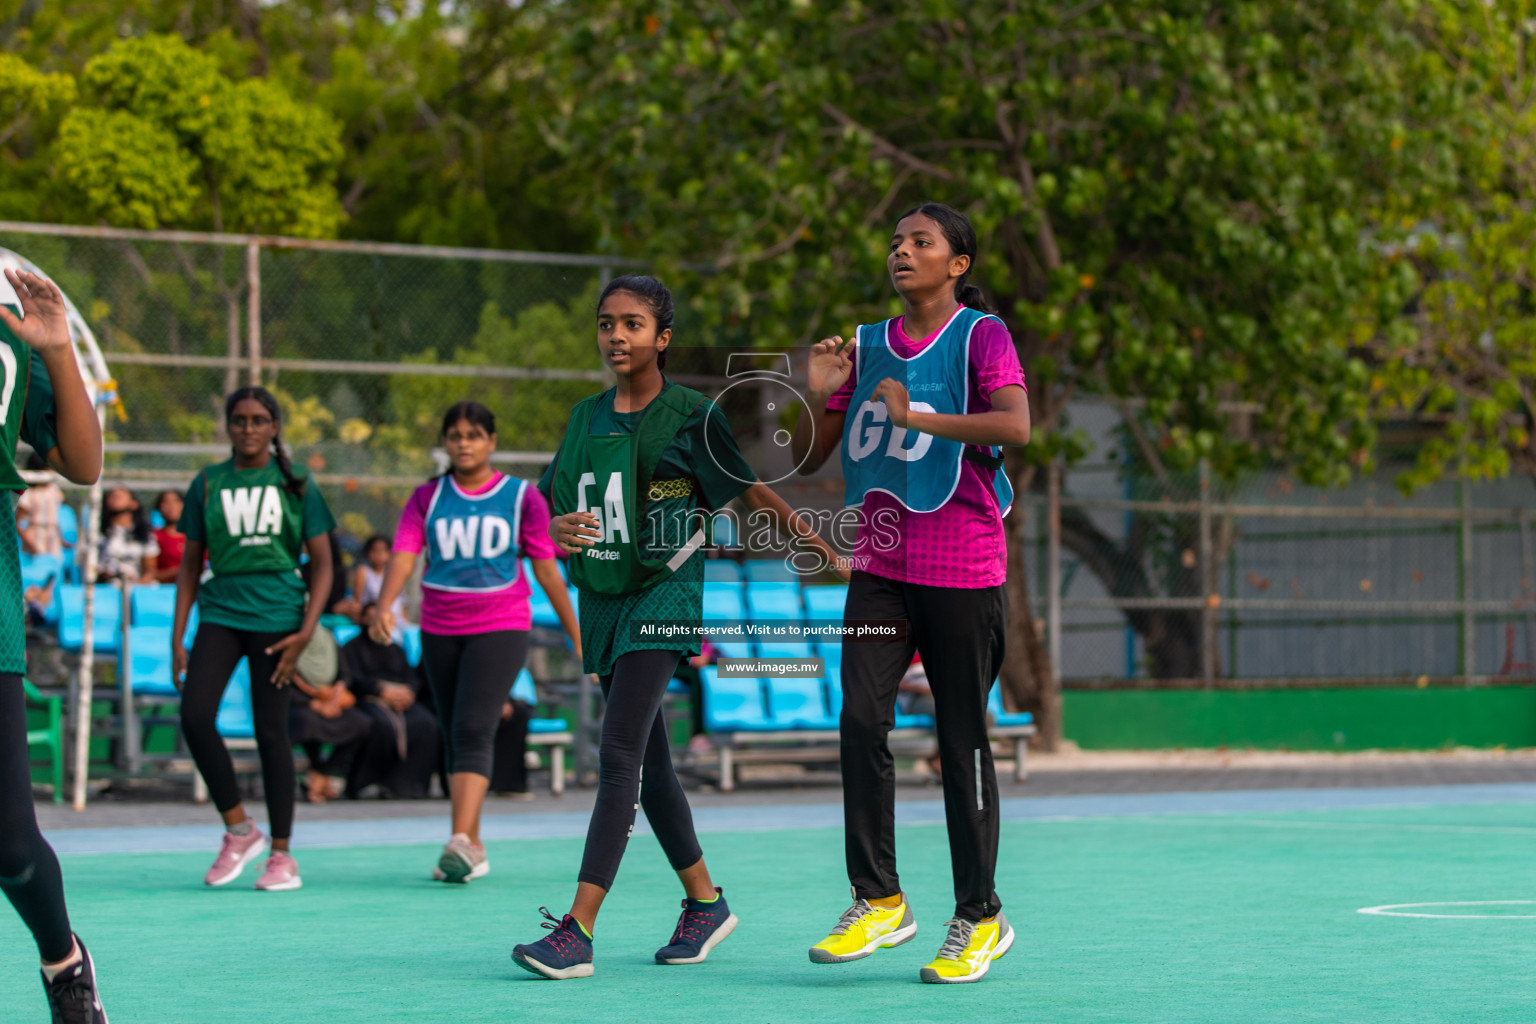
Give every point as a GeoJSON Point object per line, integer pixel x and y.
{"type": "Point", "coordinates": [640, 467]}
{"type": "Point", "coordinates": [255, 515]}
{"type": "Point", "coordinates": [43, 401]}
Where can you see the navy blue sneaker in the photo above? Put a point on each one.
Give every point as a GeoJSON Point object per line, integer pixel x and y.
{"type": "Point", "coordinates": [72, 993]}
{"type": "Point", "coordinates": [565, 952]}
{"type": "Point", "coordinates": [701, 928]}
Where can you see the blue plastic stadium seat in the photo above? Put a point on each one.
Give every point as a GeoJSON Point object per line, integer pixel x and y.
{"type": "Point", "coordinates": [345, 634]}
{"type": "Point", "coordinates": [913, 721]}
{"type": "Point", "coordinates": [409, 640]}
{"type": "Point", "coordinates": [722, 600]}
{"type": "Point", "coordinates": [37, 570]}
{"type": "Point", "coordinates": [154, 606]}
{"type": "Point", "coordinates": [108, 618]}
{"type": "Point", "coordinates": [523, 688]}
{"type": "Point", "coordinates": [721, 570]}
{"type": "Point", "coordinates": [69, 526]}
{"type": "Point", "coordinates": [235, 721]}
{"type": "Point", "coordinates": [784, 649]}
{"type": "Point", "coordinates": [774, 601]}
{"type": "Point", "coordinates": [542, 609]}
{"type": "Point", "coordinates": [825, 602]}
{"type": "Point", "coordinates": [733, 705]}
{"type": "Point", "coordinates": [542, 726]}
{"type": "Point", "coordinates": [191, 633]}
{"type": "Point", "coordinates": [799, 704]}
{"type": "Point", "coordinates": [768, 570]}
{"type": "Point", "coordinates": [1001, 717]}
{"type": "Point", "coordinates": [149, 661]}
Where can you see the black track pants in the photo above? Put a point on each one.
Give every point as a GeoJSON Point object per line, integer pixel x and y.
{"type": "Point", "coordinates": [471, 677]}
{"type": "Point", "coordinates": [215, 653]}
{"type": "Point", "coordinates": [960, 635]}
{"type": "Point", "coordinates": [635, 768]}
{"type": "Point", "coordinates": [29, 871]}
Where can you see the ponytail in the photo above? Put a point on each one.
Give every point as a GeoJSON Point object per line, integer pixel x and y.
{"type": "Point", "coordinates": [961, 237]}
{"type": "Point", "coordinates": [292, 484]}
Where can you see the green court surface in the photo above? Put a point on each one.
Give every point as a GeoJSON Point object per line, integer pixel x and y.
{"type": "Point", "coordinates": [1224, 918]}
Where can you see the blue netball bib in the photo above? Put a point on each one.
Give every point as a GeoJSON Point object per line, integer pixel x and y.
{"type": "Point", "coordinates": [472, 538]}
{"type": "Point", "coordinates": [919, 470]}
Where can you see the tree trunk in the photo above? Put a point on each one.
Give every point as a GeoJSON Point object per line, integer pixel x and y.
{"type": "Point", "coordinates": [1027, 680]}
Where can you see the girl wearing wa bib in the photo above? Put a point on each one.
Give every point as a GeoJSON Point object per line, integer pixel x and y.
{"type": "Point", "coordinates": [920, 423]}
{"type": "Point", "coordinates": [639, 470]}
{"type": "Point", "coordinates": [254, 515]}
{"type": "Point", "coordinates": [474, 525]}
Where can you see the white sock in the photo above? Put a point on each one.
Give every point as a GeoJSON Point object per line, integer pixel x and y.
{"type": "Point", "coordinates": [51, 971]}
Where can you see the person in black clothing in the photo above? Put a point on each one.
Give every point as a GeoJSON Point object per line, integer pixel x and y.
{"type": "Point", "coordinates": [404, 745]}
{"type": "Point", "coordinates": [509, 768]}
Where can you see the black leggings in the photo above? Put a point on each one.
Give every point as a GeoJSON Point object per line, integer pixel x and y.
{"type": "Point", "coordinates": [29, 870]}
{"type": "Point", "coordinates": [635, 746]}
{"type": "Point", "coordinates": [471, 676]}
{"type": "Point", "coordinates": [960, 635]}
{"type": "Point", "coordinates": [215, 653]}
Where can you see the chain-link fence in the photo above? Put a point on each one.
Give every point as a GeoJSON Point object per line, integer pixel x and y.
{"type": "Point", "coordinates": [364, 344]}
{"type": "Point", "coordinates": [1180, 580]}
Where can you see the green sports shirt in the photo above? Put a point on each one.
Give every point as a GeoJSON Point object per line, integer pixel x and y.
{"type": "Point", "coordinates": [254, 532]}
{"type": "Point", "coordinates": [703, 451]}
{"type": "Point", "coordinates": [27, 413]}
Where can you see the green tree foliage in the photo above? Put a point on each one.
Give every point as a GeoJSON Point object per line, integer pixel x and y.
{"type": "Point", "coordinates": [162, 137]}
{"type": "Point", "coordinates": [1172, 197]}
{"type": "Point", "coordinates": [1464, 356]}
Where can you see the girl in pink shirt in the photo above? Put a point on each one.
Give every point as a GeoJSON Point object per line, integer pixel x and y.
{"type": "Point", "coordinates": [921, 405]}
{"type": "Point", "coordinates": [474, 525]}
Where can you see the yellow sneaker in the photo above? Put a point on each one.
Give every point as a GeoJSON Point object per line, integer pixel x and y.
{"type": "Point", "coordinates": [968, 951]}
{"type": "Point", "coordinates": [863, 929]}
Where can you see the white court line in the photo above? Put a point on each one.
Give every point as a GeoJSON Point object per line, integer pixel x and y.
{"type": "Point", "coordinates": [1400, 910]}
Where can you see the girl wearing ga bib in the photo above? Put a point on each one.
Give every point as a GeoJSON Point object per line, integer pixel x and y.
{"type": "Point", "coordinates": [641, 468]}
{"type": "Point", "coordinates": [474, 526]}
{"type": "Point", "coordinates": [255, 516]}
{"type": "Point", "coordinates": [43, 401]}
{"type": "Point", "coordinates": [921, 404]}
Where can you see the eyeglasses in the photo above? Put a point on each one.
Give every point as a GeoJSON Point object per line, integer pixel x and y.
{"type": "Point", "coordinates": [249, 422]}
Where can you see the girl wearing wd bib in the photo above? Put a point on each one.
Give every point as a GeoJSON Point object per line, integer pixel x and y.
{"type": "Point", "coordinates": [254, 515]}
{"type": "Point", "coordinates": [638, 472]}
{"type": "Point", "coordinates": [920, 404]}
{"type": "Point", "coordinates": [474, 524]}
{"type": "Point", "coordinates": [43, 401]}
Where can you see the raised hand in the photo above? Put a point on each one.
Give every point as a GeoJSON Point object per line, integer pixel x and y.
{"type": "Point", "coordinates": [828, 367]}
{"type": "Point", "coordinates": [44, 324]}
{"type": "Point", "coordinates": [897, 402]}
{"type": "Point", "coordinates": [574, 531]}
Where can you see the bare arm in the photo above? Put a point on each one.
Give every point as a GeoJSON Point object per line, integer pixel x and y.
{"type": "Point", "coordinates": [401, 565]}
{"type": "Point", "coordinates": [1007, 423]}
{"type": "Point", "coordinates": [548, 574]}
{"type": "Point", "coordinates": [817, 435]}
{"type": "Point", "coordinates": [760, 497]}
{"type": "Point", "coordinates": [44, 328]}
{"type": "Point", "coordinates": [290, 647]}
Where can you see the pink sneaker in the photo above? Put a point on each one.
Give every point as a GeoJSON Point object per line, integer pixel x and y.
{"type": "Point", "coordinates": [280, 874]}
{"type": "Point", "coordinates": [234, 855]}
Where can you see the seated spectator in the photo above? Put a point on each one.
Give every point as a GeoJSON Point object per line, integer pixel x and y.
{"type": "Point", "coordinates": [509, 764]}
{"type": "Point", "coordinates": [128, 549]}
{"type": "Point", "coordinates": [169, 538]}
{"type": "Point", "coordinates": [404, 747]}
{"type": "Point", "coordinates": [339, 602]}
{"type": "Point", "coordinates": [37, 513]}
{"type": "Point", "coordinates": [368, 577]}
{"type": "Point", "coordinates": [323, 714]}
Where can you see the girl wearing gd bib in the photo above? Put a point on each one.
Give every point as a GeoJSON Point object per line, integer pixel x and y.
{"type": "Point", "coordinates": [926, 462]}
{"type": "Point", "coordinates": [474, 524]}
{"type": "Point", "coordinates": [640, 467]}
{"type": "Point", "coordinates": [255, 515]}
